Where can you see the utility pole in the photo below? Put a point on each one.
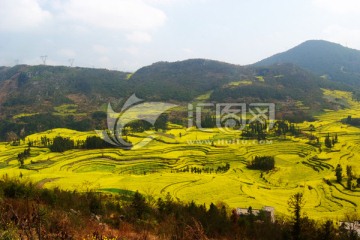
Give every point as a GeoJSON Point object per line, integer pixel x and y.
{"type": "Point", "coordinates": [43, 59]}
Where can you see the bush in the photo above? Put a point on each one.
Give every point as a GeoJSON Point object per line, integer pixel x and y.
{"type": "Point", "coordinates": [95, 142]}
{"type": "Point", "coordinates": [61, 144]}
{"type": "Point", "coordinates": [264, 163]}
{"type": "Point", "coordinates": [10, 233]}
{"type": "Point", "coordinates": [14, 190]}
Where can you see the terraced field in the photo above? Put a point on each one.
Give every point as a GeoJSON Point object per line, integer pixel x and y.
{"type": "Point", "coordinates": [157, 168]}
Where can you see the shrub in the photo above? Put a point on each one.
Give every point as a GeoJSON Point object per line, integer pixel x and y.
{"type": "Point", "coordinates": [264, 163]}
{"type": "Point", "coordinates": [61, 144]}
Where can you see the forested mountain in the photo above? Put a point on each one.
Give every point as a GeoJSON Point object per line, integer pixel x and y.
{"type": "Point", "coordinates": [40, 88]}
{"type": "Point", "coordinates": [185, 80]}
{"type": "Point", "coordinates": [329, 60]}
{"type": "Point", "coordinates": [37, 98]}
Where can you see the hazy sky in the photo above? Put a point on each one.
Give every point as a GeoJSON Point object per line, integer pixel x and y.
{"type": "Point", "coordinates": [129, 34]}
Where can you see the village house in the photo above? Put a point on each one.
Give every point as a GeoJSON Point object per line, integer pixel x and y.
{"type": "Point", "coordinates": [269, 212]}
{"type": "Point", "coordinates": [351, 226]}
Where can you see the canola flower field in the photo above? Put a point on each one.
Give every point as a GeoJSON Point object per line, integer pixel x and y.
{"type": "Point", "coordinates": [158, 168]}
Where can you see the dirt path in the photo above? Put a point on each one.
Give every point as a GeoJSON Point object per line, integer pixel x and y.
{"type": "Point", "coordinates": [41, 183]}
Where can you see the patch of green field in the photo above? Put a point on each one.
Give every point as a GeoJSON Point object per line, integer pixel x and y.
{"type": "Point", "coordinates": [239, 83]}
{"type": "Point", "coordinates": [66, 108]}
{"type": "Point", "coordinates": [300, 105]}
{"type": "Point", "coordinates": [204, 97]}
{"type": "Point", "coordinates": [260, 78]}
{"type": "Point", "coordinates": [64, 132]}
{"type": "Point", "coordinates": [24, 115]}
{"type": "Point", "coordinates": [129, 75]}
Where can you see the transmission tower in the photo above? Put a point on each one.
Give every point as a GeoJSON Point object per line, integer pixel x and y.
{"type": "Point", "coordinates": [43, 59]}
{"type": "Point", "coordinates": [71, 61]}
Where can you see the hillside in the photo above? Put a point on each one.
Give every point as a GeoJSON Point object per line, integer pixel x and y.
{"type": "Point", "coordinates": [42, 87]}
{"type": "Point", "coordinates": [184, 80]}
{"type": "Point", "coordinates": [292, 88]}
{"type": "Point", "coordinates": [295, 91]}
{"type": "Point", "coordinates": [326, 59]}
{"type": "Point", "coordinates": [38, 98]}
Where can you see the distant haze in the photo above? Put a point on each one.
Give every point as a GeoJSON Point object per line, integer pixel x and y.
{"type": "Point", "coordinates": [128, 34]}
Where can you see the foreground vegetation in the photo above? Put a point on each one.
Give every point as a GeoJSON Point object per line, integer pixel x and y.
{"type": "Point", "coordinates": [31, 212]}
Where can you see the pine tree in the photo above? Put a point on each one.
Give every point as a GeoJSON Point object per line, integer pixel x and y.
{"type": "Point", "coordinates": [328, 231]}
{"type": "Point", "coordinates": [336, 138]}
{"type": "Point", "coordinates": [296, 203]}
{"type": "Point", "coordinates": [350, 176]}
{"type": "Point", "coordinates": [349, 171]}
{"type": "Point", "coordinates": [338, 173]}
{"type": "Point", "coordinates": [328, 143]}
{"type": "Point", "coordinates": [138, 204]}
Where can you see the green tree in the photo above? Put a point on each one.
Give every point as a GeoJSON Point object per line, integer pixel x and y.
{"type": "Point", "coordinates": [336, 138]}
{"type": "Point", "coordinates": [296, 203]}
{"type": "Point", "coordinates": [349, 176]}
{"type": "Point", "coordinates": [61, 144]}
{"type": "Point", "coordinates": [328, 142]}
{"type": "Point", "coordinates": [328, 231]}
{"type": "Point", "coordinates": [138, 204]}
{"type": "Point", "coordinates": [213, 217]}
{"type": "Point", "coordinates": [251, 215]}
{"type": "Point", "coordinates": [95, 142]}
{"type": "Point", "coordinates": [348, 120]}
{"type": "Point", "coordinates": [264, 163]}
{"type": "Point", "coordinates": [338, 173]}
{"type": "Point", "coordinates": [312, 128]}
{"type": "Point", "coordinates": [161, 122]}
{"type": "Point", "coordinates": [22, 156]}
{"type": "Point", "coordinates": [21, 159]}
{"type": "Point", "coordinates": [349, 171]}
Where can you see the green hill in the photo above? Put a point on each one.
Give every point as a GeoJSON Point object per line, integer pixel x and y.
{"type": "Point", "coordinates": [37, 98]}
{"type": "Point", "coordinates": [184, 80]}
{"type": "Point", "coordinates": [40, 88]}
{"type": "Point", "coordinates": [330, 60]}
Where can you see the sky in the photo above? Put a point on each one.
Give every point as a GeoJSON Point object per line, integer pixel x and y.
{"type": "Point", "coordinates": [126, 35]}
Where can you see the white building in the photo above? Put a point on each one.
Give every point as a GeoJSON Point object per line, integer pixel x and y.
{"type": "Point", "coordinates": [351, 226]}
{"type": "Point", "coordinates": [269, 212]}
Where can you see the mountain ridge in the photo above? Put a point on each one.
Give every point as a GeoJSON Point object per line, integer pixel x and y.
{"type": "Point", "coordinates": [38, 98]}
{"type": "Point", "coordinates": [327, 59]}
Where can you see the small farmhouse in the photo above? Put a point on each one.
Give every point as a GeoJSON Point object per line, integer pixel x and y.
{"type": "Point", "coordinates": [351, 226]}
{"type": "Point", "coordinates": [269, 212]}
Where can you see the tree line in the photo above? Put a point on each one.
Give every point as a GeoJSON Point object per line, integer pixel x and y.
{"type": "Point", "coordinates": [36, 213]}
{"type": "Point", "coordinates": [350, 177]}
{"type": "Point", "coordinates": [62, 144]}
{"type": "Point", "coordinates": [219, 169]}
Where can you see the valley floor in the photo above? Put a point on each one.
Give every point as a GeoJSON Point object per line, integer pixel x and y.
{"type": "Point", "coordinates": [158, 168]}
